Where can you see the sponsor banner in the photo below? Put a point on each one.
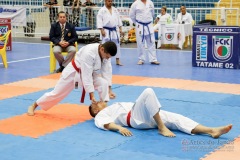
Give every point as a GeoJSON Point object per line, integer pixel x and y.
{"type": "Point", "coordinates": [222, 48]}
{"type": "Point", "coordinates": [17, 14]}
{"type": "Point", "coordinates": [5, 25]}
{"type": "Point", "coordinates": [219, 29]}
{"type": "Point", "coordinates": [170, 36]}
{"type": "Point", "coordinates": [201, 47]}
{"type": "Point", "coordinates": [216, 50]}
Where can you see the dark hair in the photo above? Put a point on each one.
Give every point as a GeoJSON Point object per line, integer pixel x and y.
{"type": "Point", "coordinates": [110, 47]}
{"type": "Point", "coordinates": [61, 13]}
{"type": "Point", "coordinates": [183, 6]}
{"type": "Point", "coordinates": [165, 8]}
{"type": "Point", "coordinates": [91, 111]}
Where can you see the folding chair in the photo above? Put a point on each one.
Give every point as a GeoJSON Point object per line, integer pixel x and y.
{"type": "Point", "coordinates": [53, 60]}
{"type": "Point", "coordinates": [3, 51]}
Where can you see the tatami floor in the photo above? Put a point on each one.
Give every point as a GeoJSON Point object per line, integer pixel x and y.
{"type": "Point", "coordinates": [207, 95]}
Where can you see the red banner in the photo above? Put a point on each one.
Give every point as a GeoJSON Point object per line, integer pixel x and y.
{"type": "Point", "coordinates": [5, 25]}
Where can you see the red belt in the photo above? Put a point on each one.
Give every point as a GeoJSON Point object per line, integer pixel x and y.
{"type": "Point", "coordinates": [128, 119]}
{"type": "Point", "coordinates": [79, 71]}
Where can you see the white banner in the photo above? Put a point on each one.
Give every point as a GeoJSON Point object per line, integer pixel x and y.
{"type": "Point", "coordinates": [17, 14]}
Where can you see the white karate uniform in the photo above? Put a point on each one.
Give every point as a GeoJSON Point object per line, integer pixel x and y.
{"type": "Point", "coordinates": [142, 112]}
{"type": "Point", "coordinates": [164, 18]}
{"type": "Point", "coordinates": [187, 18]}
{"type": "Point", "coordinates": [141, 13]}
{"type": "Point", "coordinates": [95, 74]}
{"type": "Point", "coordinates": [106, 19]}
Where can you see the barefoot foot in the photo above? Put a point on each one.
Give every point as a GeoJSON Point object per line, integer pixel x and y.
{"type": "Point", "coordinates": [217, 132]}
{"type": "Point", "coordinates": [31, 109]}
{"type": "Point", "coordinates": [166, 132]}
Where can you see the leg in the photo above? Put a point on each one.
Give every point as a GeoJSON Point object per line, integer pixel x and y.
{"type": "Point", "coordinates": [71, 53]}
{"type": "Point", "coordinates": [161, 127]}
{"type": "Point", "coordinates": [140, 49]}
{"type": "Point", "coordinates": [101, 85]}
{"type": "Point", "coordinates": [118, 55]}
{"type": "Point", "coordinates": [63, 87]}
{"type": "Point", "coordinates": [151, 49]}
{"type": "Point", "coordinates": [57, 50]}
{"type": "Point", "coordinates": [145, 112]}
{"type": "Point", "coordinates": [214, 132]}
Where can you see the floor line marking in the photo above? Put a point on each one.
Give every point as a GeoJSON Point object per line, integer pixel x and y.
{"type": "Point", "coordinates": [30, 59]}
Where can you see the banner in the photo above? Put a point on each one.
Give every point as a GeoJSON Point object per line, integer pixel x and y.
{"type": "Point", "coordinates": [127, 22]}
{"type": "Point", "coordinates": [17, 14]}
{"type": "Point", "coordinates": [5, 25]}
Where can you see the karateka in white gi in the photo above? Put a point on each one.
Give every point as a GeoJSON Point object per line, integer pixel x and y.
{"type": "Point", "coordinates": [145, 113]}
{"type": "Point", "coordinates": [91, 69]}
{"type": "Point", "coordinates": [110, 25]}
{"type": "Point", "coordinates": [164, 17]}
{"type": "Point", "coordinates": [142, 13]}
{"type": "Point", "coordinates": [184, 17]}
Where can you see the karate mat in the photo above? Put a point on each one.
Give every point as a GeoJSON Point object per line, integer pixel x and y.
{"type": "Point", "coordinates": [209, 96]}
{"type": "Point", "coordinates": [69, 127]}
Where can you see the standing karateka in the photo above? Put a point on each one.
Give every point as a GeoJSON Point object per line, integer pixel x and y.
{"type": "Point", "coordinates": [164, 17]}
{"type": "Point", "coordinates": [184, 17]}
{"type": "Point", "coordinates": [110, 25]}
{"type": "Point", "coordinates": [145, 113]}
{"type": "Point", "coordinates": [90, 69]}
{"type": "Point", "coordinates": [142, 13]}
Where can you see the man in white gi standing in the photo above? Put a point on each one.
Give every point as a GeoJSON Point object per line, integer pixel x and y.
{"type": "Point", "coordinates": [110, 25]}
{"type": "Point", "coordinates": [145, 113]}
{"type": "Point", "coordinates": [142, 13]}
{"type": "Point", "coordinates": [90, 69]}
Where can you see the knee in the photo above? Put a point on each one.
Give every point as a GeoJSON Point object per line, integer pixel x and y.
{"type": "Point", "coordinates": [148, 91]}
{"type": "Point", "coordinates": [72, 50]}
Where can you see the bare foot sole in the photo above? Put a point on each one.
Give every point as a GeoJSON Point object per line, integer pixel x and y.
{"type": "Point", "coordinates": [217, 132]}
{"type": "Point", "coordinates": [30, 111]}
{"type": "Point", "coordinates": [166, 132]}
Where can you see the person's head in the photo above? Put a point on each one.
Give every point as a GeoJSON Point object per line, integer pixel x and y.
{"type": "Point", "coordinates": [108, 3]}
{"type": "Point", "coordinates": [62, 18]}
{"type": "Point", "coordinates": [107, 50]}
{"type": "Point", "coordinates": [183, 9]}
{"type": "Point", "coordinates": [163, 10]}
{"type": "Point", "coordinates": [94, 108]}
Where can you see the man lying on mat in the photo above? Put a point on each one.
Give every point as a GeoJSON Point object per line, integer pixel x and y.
{"type": "Point", "coordinates": [145, 113]}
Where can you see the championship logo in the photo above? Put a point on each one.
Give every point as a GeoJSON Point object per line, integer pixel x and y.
{"type": "Point", "coordinates": [3, 30]}
{"type": "Point", "coordinates": [201, 47]}
{"type": "Point", "coordinates": [222, 48]}
{"type": "Point", "coordinates": [169, 36]}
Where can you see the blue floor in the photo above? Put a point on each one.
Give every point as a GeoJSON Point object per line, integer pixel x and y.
{"type": "Point", "coordinates": [86, 142]}
{"type": "Point", "coordinates": [174, 64]}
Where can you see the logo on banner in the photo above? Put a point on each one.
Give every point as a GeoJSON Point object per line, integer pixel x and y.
{"type": "Point", "coordinates": [201, 47]}
{"type": "Point", "coordinates": [169, 36]}
{"type": "Point", "coordinates": [3, 30]}
{"type": "Point", "coordinates": [222, 48]}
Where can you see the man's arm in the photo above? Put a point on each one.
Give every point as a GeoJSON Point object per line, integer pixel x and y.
{"type": "Point", "coordinates": [74, 36]}
{"type": "Point", "coordinates": [52, 34]}
{"type": "Point", "coordinates": [117, 128]}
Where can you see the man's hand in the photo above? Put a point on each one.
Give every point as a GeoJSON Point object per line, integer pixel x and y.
{"type": "Point", "coordinates": [92, 97]}
{"type": "Point", "coordinates": [63, 44]}
{"type": "Point", "coordinates": [125, 132]}
{"type": "Point", "coordinates": [112, 95]}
